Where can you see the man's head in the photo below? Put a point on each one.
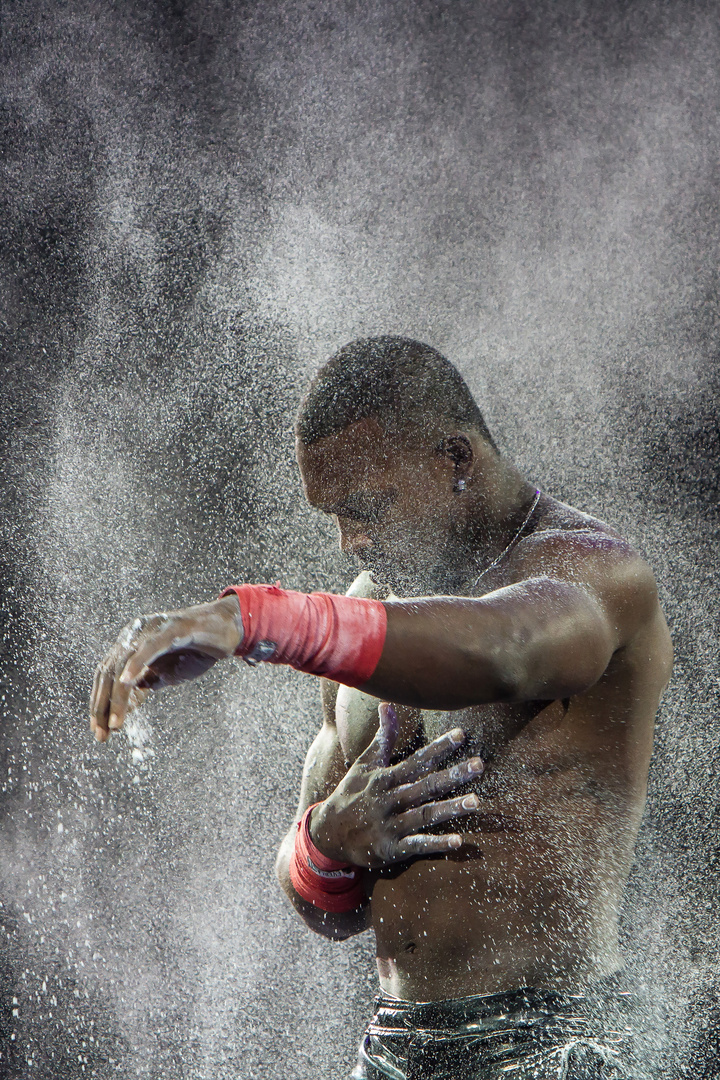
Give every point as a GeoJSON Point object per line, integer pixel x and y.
{"type": "Point", "coordinates": [390, 442]}
{"type": "Point", "coordinates": [406, 386]}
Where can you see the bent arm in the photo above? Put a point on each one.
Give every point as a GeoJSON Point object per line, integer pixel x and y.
{"type": "Point", "coordinates": [549, 635]}
{"type": "Point", "coordinates": [539, 640]}
{"type": "Point", "coordinates": [324, 769]}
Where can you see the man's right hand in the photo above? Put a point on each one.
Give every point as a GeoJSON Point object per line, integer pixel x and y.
{"type": "Point", "coordinates": [161, 650]}
{"type": "Point", "coordinates": [374, 815]}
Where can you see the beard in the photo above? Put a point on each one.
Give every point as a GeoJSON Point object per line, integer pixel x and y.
{"type": "Point", "coordinates": [410, 574]}
{"type": "Point", "coordinates": [428, 558]}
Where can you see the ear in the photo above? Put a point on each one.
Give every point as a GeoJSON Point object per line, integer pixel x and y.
{"type": "Point", "coordinates": [458, 449]}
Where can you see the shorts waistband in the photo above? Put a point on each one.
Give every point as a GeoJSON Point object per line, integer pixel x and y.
{"type": "Point", "coordinates": [530, 1001]}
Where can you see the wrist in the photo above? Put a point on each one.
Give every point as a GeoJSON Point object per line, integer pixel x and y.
{"type": "Point", "coordinates": [228, 607]}
{"type": "Point", "coordinates": [338, 637]}
{"type": "Point", "coordinates": [317, 834]}
{"type": "Point", "coordinates": [325, 882]}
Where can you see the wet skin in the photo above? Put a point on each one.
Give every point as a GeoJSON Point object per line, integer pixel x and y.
{"type": "Point", "coordinates": [549, 670]}
{"type": "Point", "coordinates": [555, 673]}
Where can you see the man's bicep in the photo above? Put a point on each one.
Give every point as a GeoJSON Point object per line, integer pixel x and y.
{"type": "Point", "coordinates": [587, 593]}
{"type": "Point", "coordinates": [561, 637]}
{"type": "Point", "coordinates": [324, 767]}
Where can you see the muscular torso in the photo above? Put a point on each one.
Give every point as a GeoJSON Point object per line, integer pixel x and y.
{"type": "Point", "coordinates": [532, 897]}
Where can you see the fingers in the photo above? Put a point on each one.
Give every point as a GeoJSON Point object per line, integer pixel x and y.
{"type": "Point", "coordinates": [93, 696]}
{"type": "Point", "coordinates": [434, 813]}
{"type": "Point", "coordinates": [112, 697]}
{"type": "Point", "coordinates": [100, 705]}
{"type": "Point", "coordinates": [437, 783]}
{"type": "Point", "coordinates": [119, 704]}
{"type": "Point", "coordinates": [184, 644]}
{"type": "Point", "coordinates": [412, 846]}
{"type": "Point", "coordinates": [126, 696]}
{"type": "Point", "coordinates": [426, 758]}
{"type": "Point", "coordinates": [388, 730]}
{"type": "Point", "coordinates": [110, 701]}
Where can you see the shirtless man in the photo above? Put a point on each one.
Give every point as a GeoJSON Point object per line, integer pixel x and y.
{"type": "Point", "coordinates": [489, 859]}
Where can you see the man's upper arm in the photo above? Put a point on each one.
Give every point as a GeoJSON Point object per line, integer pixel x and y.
{"type": "Point", "coordinates": [324, 767]}
{"type": "Point", "coordinates": [580, 598]}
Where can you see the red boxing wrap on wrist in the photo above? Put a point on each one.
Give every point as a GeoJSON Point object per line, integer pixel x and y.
{"type": "Point", "coordinates": [327, 884]}
{"type": "Point", "coordinates": [339, 637]}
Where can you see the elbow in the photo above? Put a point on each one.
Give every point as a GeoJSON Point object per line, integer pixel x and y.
{"type": "Point", "coordinates": [282, 868]}
{"type": "Point", "coordinates": [325, 923]}
{"type": "Point", "coordinates": [333, 927]}
{"type": "Point", "coordinates": [332, 930]}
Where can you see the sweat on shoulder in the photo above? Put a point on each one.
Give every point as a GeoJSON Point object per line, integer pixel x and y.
{"type": "Point", "coordinates": [489, 685]}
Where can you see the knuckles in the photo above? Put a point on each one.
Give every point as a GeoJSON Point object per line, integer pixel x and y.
{"type": "Point", "coordinates": [433, 785]}
{"type": "Point", "coordinates": [386, 850]}
{"type": "Point", "coordinates": [375, 784]}
{"type": "Point", "coordinates": [131, 635]}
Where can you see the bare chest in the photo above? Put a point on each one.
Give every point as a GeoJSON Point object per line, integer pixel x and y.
{"type": "Point", "coordinates": [497, 733]}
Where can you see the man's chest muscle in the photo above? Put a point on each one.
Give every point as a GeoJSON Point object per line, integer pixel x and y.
{"type": "Point", "coordinates": [488, 728]}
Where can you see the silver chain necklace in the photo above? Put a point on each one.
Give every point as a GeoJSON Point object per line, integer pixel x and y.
{"type": "Point", "coordinates": [514, 540]}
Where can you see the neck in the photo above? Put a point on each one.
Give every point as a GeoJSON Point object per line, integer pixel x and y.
{"type": "Point", "coordinates": [499, 500]}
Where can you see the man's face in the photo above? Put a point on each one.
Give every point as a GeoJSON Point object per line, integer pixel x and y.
{"type": "Point", "coordinates": [392, 500]}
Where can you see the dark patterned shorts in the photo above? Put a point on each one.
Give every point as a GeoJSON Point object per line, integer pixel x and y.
{"type": "Point", "coordinates": [519, 1035]}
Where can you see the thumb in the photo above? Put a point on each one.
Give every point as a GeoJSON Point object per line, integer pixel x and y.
{"type": "Point", "coordinates": [379, 750]}
{"type": "Point", "coordinates": [386, 735]}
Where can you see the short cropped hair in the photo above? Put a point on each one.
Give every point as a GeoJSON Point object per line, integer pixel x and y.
{"type": "Point", "coordinates": [402, 383]}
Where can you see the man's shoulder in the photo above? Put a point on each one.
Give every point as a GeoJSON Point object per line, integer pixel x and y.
{"type": "Point", "coordinates": [568, 538]}
{"type": "Point", "coordinates": [577, 548]}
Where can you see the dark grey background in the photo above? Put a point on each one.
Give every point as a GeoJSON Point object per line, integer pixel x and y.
{"type": "Point", "coordinates": [200, 201]}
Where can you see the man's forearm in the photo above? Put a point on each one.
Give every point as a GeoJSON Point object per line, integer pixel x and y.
{"type": "Point", "coordinates": [333, 925]}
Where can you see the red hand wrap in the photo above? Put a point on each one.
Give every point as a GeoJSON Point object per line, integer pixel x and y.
{"type": "Point", "coordinates": [327, 884]}
{"type": "Point", "coordinates": [340, 637]}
